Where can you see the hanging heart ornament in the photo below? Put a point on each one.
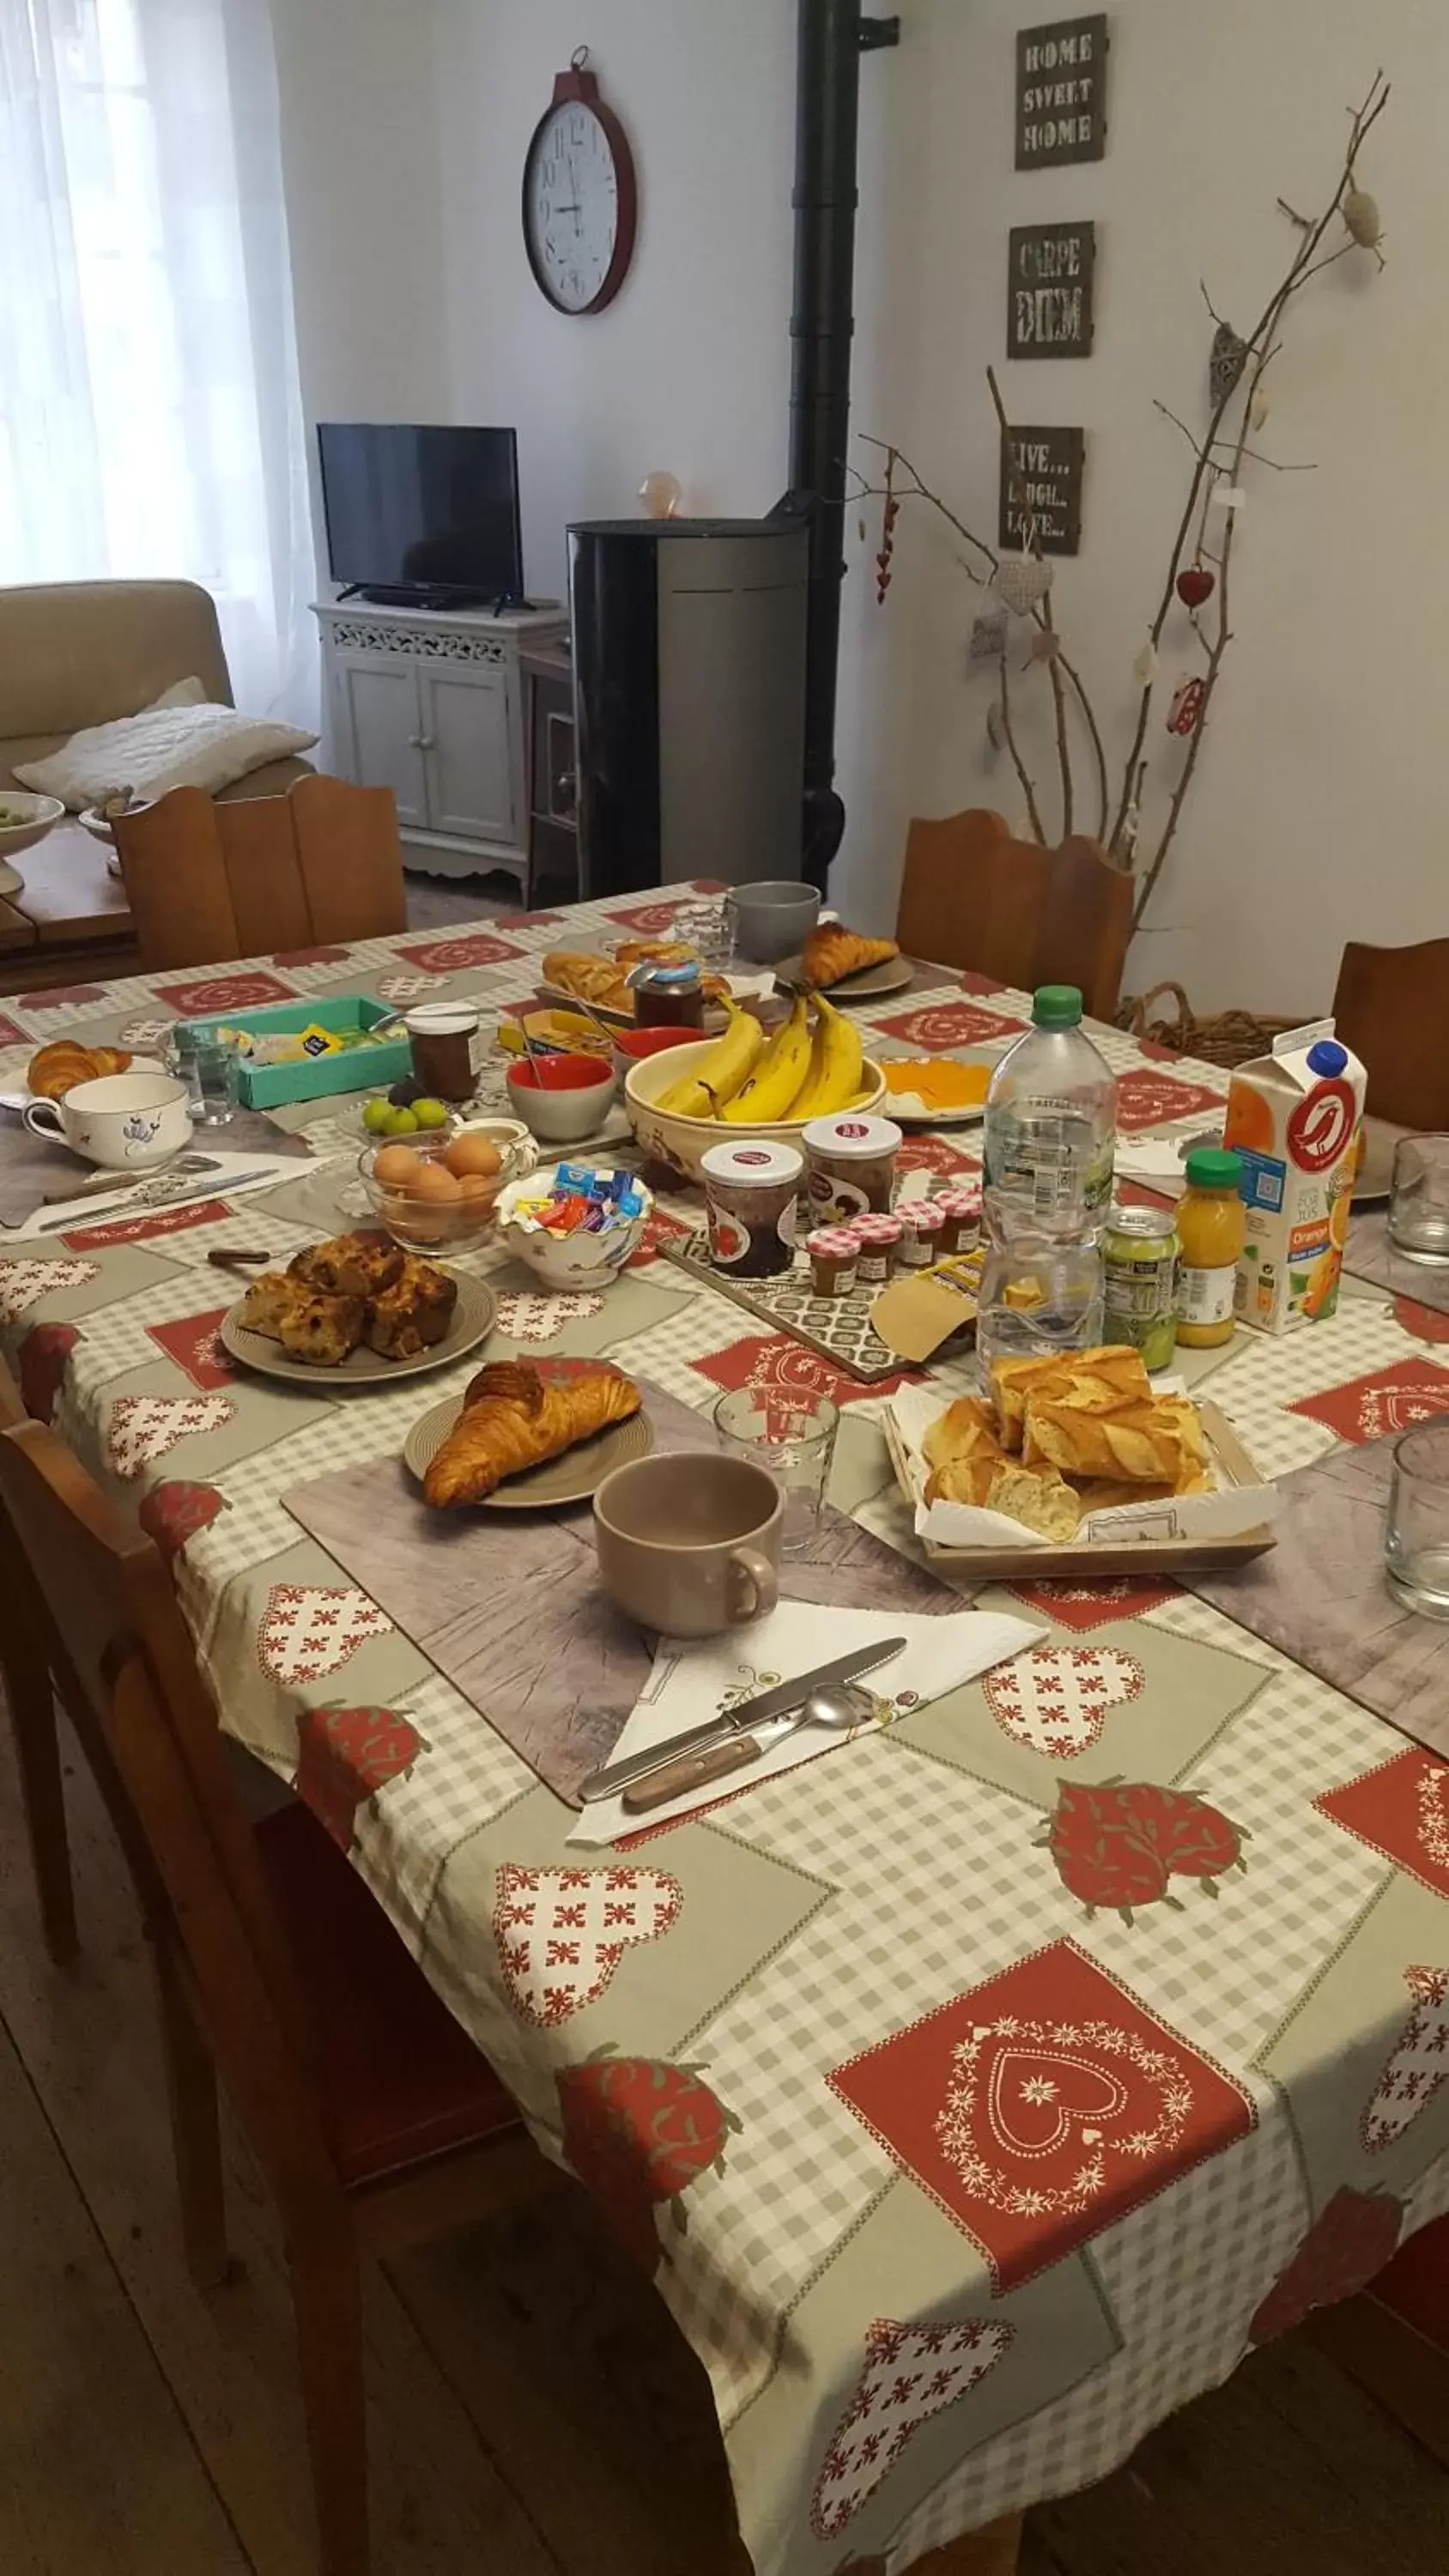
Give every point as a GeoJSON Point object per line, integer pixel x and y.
{"type": "Point", "coordinates": [1021, 580]}
{"type": "Point", "coordinates": [1195, 585]}
{"type": "Point", "coordinates": [1229, 357]}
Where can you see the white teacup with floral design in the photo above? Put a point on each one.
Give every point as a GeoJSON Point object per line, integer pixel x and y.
{"type": "Point", "coordinates": [126, 1122]}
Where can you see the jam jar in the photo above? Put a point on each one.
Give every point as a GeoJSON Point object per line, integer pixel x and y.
{"type": "Point", "coordinates": [668, 997]}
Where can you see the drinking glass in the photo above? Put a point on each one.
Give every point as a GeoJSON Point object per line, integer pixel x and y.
{"type": "Point", "coordinates": [791, 1433]}
{"type": "Point", "coordinates": [706, 924]}
{"type": "Point", "coordinates": [1419, 1205]}
{"type": "Point", "coordinates": [1416, 1547]}
{"type": "Point", "coordinates": [210, 1066]}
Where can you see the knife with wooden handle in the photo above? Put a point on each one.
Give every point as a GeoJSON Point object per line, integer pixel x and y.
{"type": "Point", "coordinates": [676, 1779]}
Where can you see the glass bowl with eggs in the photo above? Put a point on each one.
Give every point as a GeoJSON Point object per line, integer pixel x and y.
{"type": "Point", "coordinates": [436, 1190]}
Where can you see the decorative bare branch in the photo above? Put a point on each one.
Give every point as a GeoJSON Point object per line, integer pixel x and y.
{"type": "Point", "coordinates": [1027, 789]}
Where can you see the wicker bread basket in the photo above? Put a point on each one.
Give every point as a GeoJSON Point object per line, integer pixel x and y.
{"type": "Point", "coordinates": [1226, 1037]}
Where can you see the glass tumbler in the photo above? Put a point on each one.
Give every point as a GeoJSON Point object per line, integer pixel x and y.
{"type": "Point", "coordinates": [707, 925]}
{"type": "Point", "coordinates": [791, 1434]}
{"type": "Point", "coordinates": [210, 1066]}
{"type": "Point", "coordinates": [1419, 1205]}
{"type": "Point", "coordinates": [1416, 1544]}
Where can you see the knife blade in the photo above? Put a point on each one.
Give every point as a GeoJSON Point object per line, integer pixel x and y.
{"type": "Point", "coordinates": [214, 1187]}
{"type": "Point", "coordinates": [775, 1702]}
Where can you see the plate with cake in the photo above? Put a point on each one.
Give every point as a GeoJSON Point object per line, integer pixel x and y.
{"type": "Point", "coordinates": [528, 1434]}
{"type": "Point", "coordinates": [356, 1311]}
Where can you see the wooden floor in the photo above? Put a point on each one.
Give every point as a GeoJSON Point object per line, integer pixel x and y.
{"type": "Point", "coordinates": [532, 2413]}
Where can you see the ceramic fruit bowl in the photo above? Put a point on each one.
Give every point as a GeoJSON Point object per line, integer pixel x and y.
{"type": "Point", "coordinates": [413, 1189]}
{"type": "Point", "coordinates": [24, 820]}
{"type": "Point", "coordinates": [565, 1261]}
{"type": "Point", "coordinates": [684, 1142]}
{"type": "Point", "coordinates": [562, 1098]}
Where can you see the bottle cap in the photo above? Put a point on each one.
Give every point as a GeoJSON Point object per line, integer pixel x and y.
{"type": "Point", "coordinates": [1211, 1169]}
{"type": "Point", "coordinates": [1056, 1006]}
{"type": "Point", "coordinates": [1327, 1058]}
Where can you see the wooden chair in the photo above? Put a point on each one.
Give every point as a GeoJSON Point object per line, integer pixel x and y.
{"type": "Point", "coordinates": [973, 897]}
{"type": "Point", "coordinates": [374, 2118]}
{"type": "Point", "coordinates": [207, 882]}
{"type": "Point", "coordinates": [1392, 1008]}
{"type": "Point", "coordinates": [29, 1685]}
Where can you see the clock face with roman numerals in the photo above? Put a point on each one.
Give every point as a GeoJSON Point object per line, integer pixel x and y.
{"type": "Point", "coordinates": [578, 205]}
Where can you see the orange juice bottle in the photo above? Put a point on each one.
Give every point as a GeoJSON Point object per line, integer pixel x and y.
{"type": "Point", "coordinates": [1211, 1228]}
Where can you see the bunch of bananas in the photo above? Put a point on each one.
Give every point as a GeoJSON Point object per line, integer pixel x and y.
{"type": "Point", "coordinates": [750, 1082]}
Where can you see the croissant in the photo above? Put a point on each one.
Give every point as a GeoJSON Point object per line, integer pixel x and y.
{"type": "Point", "coordinates": [1155, 1443]}
{"type": "Point", "coordinates": [1092, 1381]}
{"type": "Point", "coordinates": [832, 952]}
{"type": "Point", "coordinates": [514, 1418]}
{"type": "Point", "coordinates": [57, 1068]}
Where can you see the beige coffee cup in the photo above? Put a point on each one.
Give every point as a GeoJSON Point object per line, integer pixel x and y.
{"type": "Point", "coordinates": [690, 1544]}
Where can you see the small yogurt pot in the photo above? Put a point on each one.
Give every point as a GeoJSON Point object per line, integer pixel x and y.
{"type": "Point", "coordinates": [562, 1098]}
{"type": "Point", "coordinates": [566, 1261]}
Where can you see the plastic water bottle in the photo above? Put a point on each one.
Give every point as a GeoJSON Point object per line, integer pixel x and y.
{"type": "Point", "coordinates": [1051, 1123]}
{"type": "Point", "coordinates": [1038, 1300]}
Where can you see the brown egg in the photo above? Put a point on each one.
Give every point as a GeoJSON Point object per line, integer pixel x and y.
{"type": "Point", "coordinates": [431, 1182]}
{"type": "Point", "coordinates": [479, 1189]}
{"type": "Point", "coordinates": [394, 1164]}
{"type": "Point", "coordinates": [473, 1156]}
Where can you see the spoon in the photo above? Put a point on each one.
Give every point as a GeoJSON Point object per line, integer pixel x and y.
{"type": "Point", "coordinates": [841, 1709]}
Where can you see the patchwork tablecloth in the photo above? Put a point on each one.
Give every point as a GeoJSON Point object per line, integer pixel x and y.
{"type": "Point", "coordinates": [974, 2095]}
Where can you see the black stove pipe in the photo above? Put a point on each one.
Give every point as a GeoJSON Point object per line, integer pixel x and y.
{"type": "Point", "coordinates": [832, 35]}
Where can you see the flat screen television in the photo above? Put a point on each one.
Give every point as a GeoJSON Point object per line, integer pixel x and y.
{"type": "Point", "coordinates": [422, 514]}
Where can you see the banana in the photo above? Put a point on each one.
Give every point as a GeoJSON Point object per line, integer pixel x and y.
{"type": "Point", "coordinates": [835, 1062]}
{"type": "Point", "coordinates": [781, 1071]}
{"type": "Point", "coordinates": [718, 1076]}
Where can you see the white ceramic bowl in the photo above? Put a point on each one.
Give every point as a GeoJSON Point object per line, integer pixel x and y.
{"type": "Point", "coordinates": [25, 819]}
{"type": "Point", "coordinates": [684, 1142]}
{"type": "Point", "coordinates": [569, 1260]}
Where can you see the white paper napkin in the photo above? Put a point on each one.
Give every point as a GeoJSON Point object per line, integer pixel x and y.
{"type": "Point", "coordinates": [698, 1678]}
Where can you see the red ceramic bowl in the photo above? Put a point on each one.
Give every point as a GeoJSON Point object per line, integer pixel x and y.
{"type": "Point", "coordinates": [562, 1098]}
{"type": "Point", "coordinates": [637, 1045]}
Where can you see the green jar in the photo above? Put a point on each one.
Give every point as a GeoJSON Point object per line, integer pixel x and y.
{"type": "Point", "coordinates": [1139, 1264]}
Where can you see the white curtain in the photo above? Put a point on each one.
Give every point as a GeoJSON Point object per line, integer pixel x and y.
{"type": "Point", "coordinates": [150, 418]}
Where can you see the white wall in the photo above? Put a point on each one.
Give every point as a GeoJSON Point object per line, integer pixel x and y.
{"type": "Point", "coordinates": [1317, 812]}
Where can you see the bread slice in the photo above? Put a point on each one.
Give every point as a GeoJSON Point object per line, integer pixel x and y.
{"type": "Point", "coordinates": [1093, 1381]}
{"type": "Point", "coordinates": [1142, 1444]}
{"type": "Point", "coordinates": [1043, 1501]}
{"type": "Point", "coordinates": [967, 1429]}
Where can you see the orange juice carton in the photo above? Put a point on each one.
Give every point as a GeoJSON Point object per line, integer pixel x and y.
{"type": "Point", "coordinates": [1295, 1118]}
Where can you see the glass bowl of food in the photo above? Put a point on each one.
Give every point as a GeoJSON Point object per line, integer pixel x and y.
{"type": "Point", "coordinates": [436, 1192]}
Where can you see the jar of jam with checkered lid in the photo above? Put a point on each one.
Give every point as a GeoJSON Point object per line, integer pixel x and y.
{"type": "Point", "coordinates": [879, 1238]}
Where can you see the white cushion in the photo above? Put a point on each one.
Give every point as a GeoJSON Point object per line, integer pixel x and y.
{"type": "Point", "coordinates": [181, 741]}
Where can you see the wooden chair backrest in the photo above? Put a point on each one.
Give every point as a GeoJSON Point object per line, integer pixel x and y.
{"type": "Point", "coordinates": [973, 897]}
{"type": "Point", "coordinates": [105, 1588]}
{"type": "Point", "coordinates": [1392, 1008]}
{"type": "Point", "coordinates": [207, 882]}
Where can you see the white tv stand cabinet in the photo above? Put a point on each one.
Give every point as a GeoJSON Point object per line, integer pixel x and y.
{"type": "Point", "coordinates": [431, 703]}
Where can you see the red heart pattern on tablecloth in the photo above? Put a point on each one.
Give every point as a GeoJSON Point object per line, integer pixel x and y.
{"type": "Point", "coordinates": [44, 1358]}
{"type": "Point", "coordinates": [193, 1342]}
{"type": "Point", "coordinates": [1418, 2063]}
{"type": "Point", "coordinates": [934, 1154]}
{"type": "Point", "coordinates": [562, 1932]}
{"type": "Point", "coordinates": [911, 2373]}
{"type": "Point", "coordinates": [948, 1024]}
{"type": "Point", "coordinates": [652, 919]}
{"type": "Point", "coordinates": [1388, 1399]}
{"type": "Point", "coordinates": [450, 956]}
{"type": "Point", "coordinates": [526, 1318]}
{"type": "Point", "coordinates": [11, 1033]}
{"type": "Point", "coordinates": [1400, 1808]}
{"type": "Point", "coordinates": [140, 1428]}
{"type": "Point", "coordinates": [224, 993]}
{"type": "Point", "coordinates": [147, 1229]}
{"type": "Point", "coordinates": [309, 1629]}
{"type": "Point", "coordinates": [774, 1364]}
{"type": "Point", "coordinates": [1040, 2106]}
{"type": "Point", "coordinates": [1092, 1605]}
{"type": "Point", "coordinates": [1150, 1099]}
{"type": "Point", "coordinates": [1055, 1699]}
{"type": "Point", "coordinates": [24, 1283]}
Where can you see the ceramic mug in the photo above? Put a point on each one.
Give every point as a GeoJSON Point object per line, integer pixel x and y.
{"type": "Point", "coordinates": [689, 1544]}
{"type": "Point", "coordinates": [126, 1122]}
{"type": "Point", "coordinates": [772, 919]}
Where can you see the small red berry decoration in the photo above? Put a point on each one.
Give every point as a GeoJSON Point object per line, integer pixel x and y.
{"type": "Point", "coordinates": [173, 1512]}
{"type": "Point", "coordinates": [1117, 1843]}
{"type": "Point", "coordinates": [44, 1357]}
{"type": "Point", "coordinates": [637, 2131]}
{"type": "Point", "coordinates": [1351, 2239]}
{"type": "Point", "coordinates": [345, 1755]}
{"type": "Point", "coordinates": [1195, 585]}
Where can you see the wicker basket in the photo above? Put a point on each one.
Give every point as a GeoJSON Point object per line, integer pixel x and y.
{"type": "Point", "coordinates": [1227, 1038]}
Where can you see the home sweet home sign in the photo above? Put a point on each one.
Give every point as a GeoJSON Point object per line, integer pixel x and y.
{"type": "Point", "coordinates": [1061, 93]}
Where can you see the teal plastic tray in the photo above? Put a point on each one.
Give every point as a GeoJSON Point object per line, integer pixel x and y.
{"type": "Point", "coordinates": [267, 1086]}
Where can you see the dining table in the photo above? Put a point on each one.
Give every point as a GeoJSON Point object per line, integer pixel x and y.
{"type": "Point", "coordinates": [976, 2093]}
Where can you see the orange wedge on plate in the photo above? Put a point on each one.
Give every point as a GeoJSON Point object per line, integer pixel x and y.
{"type": "Point", "coordinates": [939, 1083]}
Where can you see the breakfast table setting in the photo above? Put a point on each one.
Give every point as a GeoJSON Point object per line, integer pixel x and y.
{"type": "Point", "coordinates": [987, 2003]}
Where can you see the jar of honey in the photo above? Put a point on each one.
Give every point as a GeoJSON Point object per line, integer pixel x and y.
{"type": "Point", "coordinates": [1211, 1229]}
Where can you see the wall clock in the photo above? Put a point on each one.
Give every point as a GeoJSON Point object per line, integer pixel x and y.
{"type": "Point", "coordinates": [580, 203]}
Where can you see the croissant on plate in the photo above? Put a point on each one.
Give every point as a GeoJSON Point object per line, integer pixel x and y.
{"type": "Point", "coordinates": [57, 1068]}
{"type": "Point", "coordinates": [513, 1417]}
{"type": "Point", "coordinates": [832, 952]}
